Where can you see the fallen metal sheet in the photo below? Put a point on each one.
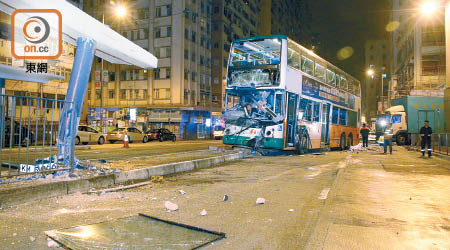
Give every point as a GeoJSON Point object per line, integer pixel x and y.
{"type": "Point", "coordinates": [135, 232]}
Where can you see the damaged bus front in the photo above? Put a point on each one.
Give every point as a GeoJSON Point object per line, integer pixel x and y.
{"type": "Point", "coordinates": [254, 97]}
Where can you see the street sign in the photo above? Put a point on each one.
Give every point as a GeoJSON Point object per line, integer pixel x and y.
{"type": "Point", "coordinates": [97, 75]}
{"type": "Point", "coordinates": [105, 77]}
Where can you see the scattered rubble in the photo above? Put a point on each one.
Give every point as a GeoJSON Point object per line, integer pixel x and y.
{"type": "Point", "coordinates": [52, 244]}
{"type": "Point", "coordinates": [171, 206]}
{"type": "Point", "coordinates": [182, 192]}
{"type": "Point", "coordinates": [32, 238]}
{"type": "Point", "coordinates": [291, 210]}
{"type": "Point", "coordinates": [203, 212]}
{"type": "Point", "coordinates": [225, 197]}
{"type": "Point", "coordinates": [260, 201]}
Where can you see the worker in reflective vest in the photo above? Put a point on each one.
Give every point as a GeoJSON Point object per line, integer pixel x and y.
{"type": "Point", "coordinates": [365, 135]}
{"type": "Point", "coordinates": [425, 134]}
{"type": "Point", "coordinates": [388, 140]}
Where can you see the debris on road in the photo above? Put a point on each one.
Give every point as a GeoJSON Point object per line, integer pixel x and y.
{"type": "Point", "coordinates": [203, 212]}
{"type": "Point", "coordinates": [157, 179]}
{"type": "Point", "coordinates": [14, 234]}
{"type": "Point", "coordinates": [182, 192]}
{"type": "Point", "coordinates": [291, 210]}
{"type": "Point", "coordinates": [225, 197]}
{"type": "Point", "coordinates": [32, 238]}
{"type": "Point", "coordinates": [323, 195]}
{"type": "Point", "coordinates": [260, 201]}
{"type": "Point", "coordinates": [52, 244]}
{"type": "Point", "coordinates": [171, 206]}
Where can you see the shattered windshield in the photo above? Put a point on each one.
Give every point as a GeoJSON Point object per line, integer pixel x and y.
{"type": "Point", "coordinates": [255, 63]}
{"type": "Point", "coordinates": [255, 52]}
{"type": "Point", "coordinates": [244, 107]}
{"type": "Point", "coordinates": [253, 77]}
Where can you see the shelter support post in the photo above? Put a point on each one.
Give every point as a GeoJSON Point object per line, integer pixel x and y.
{"type": "Point", "coordinates": [70, 117]}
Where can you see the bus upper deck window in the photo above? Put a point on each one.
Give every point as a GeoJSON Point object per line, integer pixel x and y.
{"type": "Point", "coordinates": [320, 72]}
{"type": "Point", "coordinates": [343, 83]}
{"type": "Point", "coordinates": [331, 77]}
{"type": "Point", "coordinates": [293, 58]}
{"type": "Point", "coordinates": [307, 65]}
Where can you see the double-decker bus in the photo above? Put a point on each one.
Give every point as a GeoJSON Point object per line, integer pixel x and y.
{"type": "Point", "coordinates": [281, 95]}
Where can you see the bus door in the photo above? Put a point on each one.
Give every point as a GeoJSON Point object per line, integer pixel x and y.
{"type": "Point", "coordinates": [325, 138]}
{"type": "Point", "coordinates": [291, 124]}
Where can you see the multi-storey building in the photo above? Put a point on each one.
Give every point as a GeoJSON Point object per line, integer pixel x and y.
{"type": "Point", "coordinates": [232, 19]}
{"type": "Point", "coordinates": [288, 17]}
{"type": "Point", "coordinates": [418, 50]}
{"type": "Point", "coordinates": [176, 95]}
{"type": "Point", "coordinates": [376, 87]}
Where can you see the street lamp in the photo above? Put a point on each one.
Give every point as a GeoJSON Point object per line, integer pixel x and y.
{"type": "Point", "coordinates": [428, 8]}
{"type": "Point", "coordinates": [370, 72]}
{"type": "Point", "coordinates": [120, 11]}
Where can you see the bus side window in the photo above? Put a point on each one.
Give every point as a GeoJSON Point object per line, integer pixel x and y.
{"type": "Point", "coordinates": [316, 116]}
{"type": "Point", "coordinates": [307, 65]}
{"type": "Point", "coordinates": [335, 115]}
{"type": "Point", "coordinates": [343, 117]}
{"type": "Point", "coordinates": [306, 107]}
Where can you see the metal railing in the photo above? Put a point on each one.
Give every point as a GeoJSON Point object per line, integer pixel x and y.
{"type": "Point", "coordinates": [28, 132]}
{"type": "Point", "coordinates": [439, 143]}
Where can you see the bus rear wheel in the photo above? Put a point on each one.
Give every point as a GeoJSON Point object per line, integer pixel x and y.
{"type": "Point", "coordinates": [342, 144]}
{"type": "Point", "coordinates": [350, 140]}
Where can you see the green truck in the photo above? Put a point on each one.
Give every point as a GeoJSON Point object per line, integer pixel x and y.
{"type": "Point", "coordinates": [407, 115]}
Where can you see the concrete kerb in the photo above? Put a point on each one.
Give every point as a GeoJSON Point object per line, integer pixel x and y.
{"type": "Point", "coordinates": [10, 197]}
{"type": "Point", "coordinates": [173, 168]}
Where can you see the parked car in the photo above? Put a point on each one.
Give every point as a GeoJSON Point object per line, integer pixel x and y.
{"type": "Point", "coordinates": [161, 134]}
{"type": "Point", "coordinates": [87, 134]}
{"type": "Point", "coordinates": [218, 132]}
{"type": "Point", "coordinates": [133, 133]}
{"type": "Point", "coordinates": [22, 136]}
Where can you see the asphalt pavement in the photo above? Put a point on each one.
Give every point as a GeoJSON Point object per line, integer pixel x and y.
{"type": "Point", "coordinates": [339, 200]}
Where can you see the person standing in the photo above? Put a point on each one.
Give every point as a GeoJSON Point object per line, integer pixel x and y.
{"type": "Point", "coordinates": [365, 135]}
{"type": "Point", "coordinates": [388, 140]}
{"type": "Point", "coordinates": [425, 133]}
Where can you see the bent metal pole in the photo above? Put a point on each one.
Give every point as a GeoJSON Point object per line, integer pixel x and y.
{"type": "Point", "coordinates": [70, 117]}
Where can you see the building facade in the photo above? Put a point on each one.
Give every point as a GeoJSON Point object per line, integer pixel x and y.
{"type": "Point", "coordinates": [375, 91]}
{"type": "Point", "coordinates": [418, 51]}
{"type": "Point", "coordinates": [176, 95]}
{"type": "Point", "coordinates": [232, 19]}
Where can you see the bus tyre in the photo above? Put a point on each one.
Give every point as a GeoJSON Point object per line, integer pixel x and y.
{"type": "Point", "coordinates": [350, 140]}
{"type": "Point", "coordinates": [342, 144]}
{"type": "Point", "coordinates": [302, 144]}
{"type": "Point", "coordinates": [401, 139]}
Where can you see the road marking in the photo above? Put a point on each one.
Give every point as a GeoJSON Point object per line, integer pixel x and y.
{"type": "Point", "coordinates": [323, 195]}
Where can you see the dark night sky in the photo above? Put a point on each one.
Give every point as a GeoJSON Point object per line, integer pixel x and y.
{"type": "Point", "coordinates": [341, 23]}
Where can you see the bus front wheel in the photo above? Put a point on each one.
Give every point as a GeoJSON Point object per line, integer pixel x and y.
{"type": "Point", "coordinates": [302, 144]}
